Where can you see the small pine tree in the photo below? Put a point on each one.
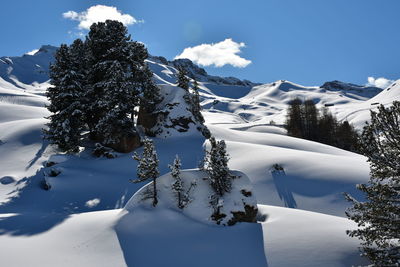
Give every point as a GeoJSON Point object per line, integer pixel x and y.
{"type": "Point", "coordinates": [177, 186]}
{"type": "Point", "coordinates": [216, 165]}
{"type": "Point", "coordinates": [195, 106]}
{"type": "Point", "coordinates": [147, 168]}
{"type": "Point", "coordinates": [378, 218]}
{"type": "Point", "coordinates": [183, 80]}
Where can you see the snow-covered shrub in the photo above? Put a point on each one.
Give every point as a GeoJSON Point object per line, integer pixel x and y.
{"type": "Point", "coordinates": [102, 151]}
{"type": "Point", "coordinates": [54, 172]}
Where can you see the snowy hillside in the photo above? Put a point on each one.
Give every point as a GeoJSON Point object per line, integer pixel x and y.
{"type": "Point", "coordinates": [81, 220]}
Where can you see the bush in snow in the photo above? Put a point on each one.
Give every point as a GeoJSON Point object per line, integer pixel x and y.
{"type": "Point", "coordinates": [378, 218]}
{"type": "Point", "coordinates": [147, 168]}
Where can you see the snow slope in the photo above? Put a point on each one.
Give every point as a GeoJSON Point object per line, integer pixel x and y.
{"type": "Point", "coordinates": [79, 221]}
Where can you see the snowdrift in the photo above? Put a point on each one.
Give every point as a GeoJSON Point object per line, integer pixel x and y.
{"type": "Point", "coordinates": [198, 189]}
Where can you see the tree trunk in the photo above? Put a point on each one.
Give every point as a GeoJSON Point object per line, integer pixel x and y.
{"type": "Point", "coordinates": [179, 200]}
{"type": "Point", "coordinates": [155, 200]}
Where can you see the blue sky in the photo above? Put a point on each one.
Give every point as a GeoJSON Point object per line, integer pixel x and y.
{"type": "Point", "coordinates": [304, 41]}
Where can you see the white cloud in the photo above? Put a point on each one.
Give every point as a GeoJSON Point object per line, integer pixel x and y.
{"type": "Point", "coordinates": [218, 54]}
{"type": "Point", "coordinates": [92, 203]}
{"type": "Point", "coordinates": [99, 13]}
{"type": "Point", "coordinates": [379, 82]}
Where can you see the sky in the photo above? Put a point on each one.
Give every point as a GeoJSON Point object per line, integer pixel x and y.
{"type": "Point", "coordinates": [304, 41]}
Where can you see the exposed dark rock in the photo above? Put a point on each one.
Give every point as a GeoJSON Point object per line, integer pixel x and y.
{"type": "Point", "coordinates": [127, 143]}
{"type": "Point", "coordinates": [182, 123]}
{"type": "Point", "coordinates": [50, 163]}
{"type": "Point", "coordinates": [246, 193]}
{"type": "Point", "coordinates": [217, 216]}
{"type": "Point", "coordinates": [45, 185]}
{"type": "Point", "coordinates": [54, 172]}
{"type": "Point", "coordinates": [146, 119]}
{"type": "Point", "coordinates": [249, 215]}
{"type": "Point", "coordinates": [351, 88]}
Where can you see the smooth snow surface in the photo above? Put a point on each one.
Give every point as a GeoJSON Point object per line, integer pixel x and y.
{"type": "Point", "coordinates": [79, 221]}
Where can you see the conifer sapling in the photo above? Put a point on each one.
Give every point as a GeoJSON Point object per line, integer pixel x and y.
{"type": "Point", "coordinates": [147, 168]}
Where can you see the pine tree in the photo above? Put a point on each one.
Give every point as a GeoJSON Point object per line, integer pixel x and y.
{"type": "Point", "coordinates": [147, 168]}
{"type": "Point", "coordinates": [195, 106]}
{"type": "Point", "coordinates": [150, 92]}
{"type": "Point", "coordinates": [310, 120]}
{"type": "Point", "coordinates": [327, 126]}
{"type": "Point", "coordinates": [216, 165]}
{"type": "Point", "coordinates": [116, 77]}
{"type": "Point", "coordinates": [183, 80]}
{"type": "Point", "coordinates": [294, 123]}
{"type": "Point", "coordinates": [347, 137]}
{"type": "Point", "coordinates": [67, 76]}
{"type": "Point", "coordinates": [378, 218]}
{"type": "Point", "coordinates": [177, 186]}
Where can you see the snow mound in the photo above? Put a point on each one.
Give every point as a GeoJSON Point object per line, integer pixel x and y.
{"type": "Point", "coordinates": [315, 239]}
{"type": "Point", "coordinates": [198, 189]}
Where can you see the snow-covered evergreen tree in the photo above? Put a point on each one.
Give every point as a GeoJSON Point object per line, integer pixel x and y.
{"type": "Point", "coordinates": [147, 168]}
{"type": "Point", "coordinates": [67, 77]}
{"type": "Point", "coordinates": [183, 80]}
{"type": "Point", "coordinates": [117, 76]}
{"type": "Point", "coordinates": [150, 93]}
{"type": "Point", "coordinates": [195, 103]}
{"type": "Point", "coordinates": [177, 186]}
{"type": "Point", "coordinates": [378, 218]}
{"type": "Point", "coordinates": [216, 165]}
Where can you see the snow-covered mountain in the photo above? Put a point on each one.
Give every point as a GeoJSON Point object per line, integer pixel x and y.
{"type": "Point", "coordinates": [81, 221]}
{"type": "Point", "coordinates": [29, 68]}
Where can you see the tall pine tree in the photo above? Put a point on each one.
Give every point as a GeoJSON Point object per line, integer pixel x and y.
{"type": "Point", "coordinates": [67, 77]}
{"type": "Point", "coordinates": [117, 77]}
{"type": "Point", "coordinates": [310, 117]}
{"type": "Point", "coordinates": [378, 218]}
{"type": "Point", "coordinates": [294, 123]}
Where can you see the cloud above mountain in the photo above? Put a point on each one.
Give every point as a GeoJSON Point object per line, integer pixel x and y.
{"type": "Point", "coordinates": [218, 54]}
{"type": "Point", "coordinates": [379, 82]}
{"type": "Point", "coordinates": [99, 13]}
